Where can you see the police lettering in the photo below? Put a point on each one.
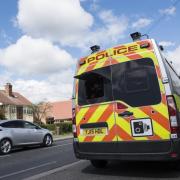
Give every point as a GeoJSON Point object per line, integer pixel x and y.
{"type": "Point", "coordinates": [116, 51]}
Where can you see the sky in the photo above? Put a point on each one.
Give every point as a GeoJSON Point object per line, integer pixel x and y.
{"type": "Point", "coordinates": [41, 40]}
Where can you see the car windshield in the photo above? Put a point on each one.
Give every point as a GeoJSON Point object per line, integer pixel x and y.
{"type": "Point", "coordinates": [133, 82]}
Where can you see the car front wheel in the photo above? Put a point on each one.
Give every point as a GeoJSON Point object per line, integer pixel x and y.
{"type": "Point", "coordinates": [47, 140]}
{"type": "Point", "coordinates": [5, 146]}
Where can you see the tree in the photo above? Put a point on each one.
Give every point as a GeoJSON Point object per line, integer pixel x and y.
{"type": "Point", "coordinates": [40, 111]}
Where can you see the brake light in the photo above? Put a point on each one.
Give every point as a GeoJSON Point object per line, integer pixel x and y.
{"type": "Point", "coordinates": [74, 123]}
{"type": "Point", "coordinates": [173, 117]}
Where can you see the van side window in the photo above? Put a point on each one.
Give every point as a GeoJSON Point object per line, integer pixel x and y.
{"type": "Point", "coordinates": [175, 79]}
{"type": "Point", "coordinates": [95, 86]}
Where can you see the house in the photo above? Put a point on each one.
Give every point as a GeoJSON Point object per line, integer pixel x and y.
{"type": "Point", "coordinates": [60, 111]}
{"type": "Point", "coordinates": [14, 105]}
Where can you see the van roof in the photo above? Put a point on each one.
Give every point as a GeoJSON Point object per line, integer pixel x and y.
{"type": "Point", "coordinates": [129, 51]}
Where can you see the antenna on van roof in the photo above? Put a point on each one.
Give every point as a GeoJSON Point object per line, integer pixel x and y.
{"type": "Point", "coordinates": [137, 36]}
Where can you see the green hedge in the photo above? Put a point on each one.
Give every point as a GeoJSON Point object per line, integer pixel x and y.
{"type": "Point", "coordinates": [50, 127]}
{"type": "Point", "coordinates": [65, 127]}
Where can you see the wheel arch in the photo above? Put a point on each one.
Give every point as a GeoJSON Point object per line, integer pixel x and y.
{"type": "Point", "coordinates": [8, 139]}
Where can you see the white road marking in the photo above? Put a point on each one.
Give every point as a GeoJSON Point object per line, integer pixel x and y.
{"type": "Point", "coordinates": [53, 170]}
{"type": "Point", "coordinates": [25, 170]}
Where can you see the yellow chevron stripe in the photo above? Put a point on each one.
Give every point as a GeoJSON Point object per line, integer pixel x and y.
{"type": "Point", "coordinates": [125, 125]}
{"type": "Point", "coordinates": [162, 109]}
{"type": "Point", "coordinates": [81, 138]}
{"type": "Point", "coordinates": [80, 115]}
{"type": "Point", "coordinates": [115, 139]}
{"type": "Point", "coordinates": [158, 129]}
{"type": "Point", "coordinates": [97, 114]}
{"type": "Point", "coordinates": [110, 123]}
{"type": "Point", "coordinates": [161, 86]}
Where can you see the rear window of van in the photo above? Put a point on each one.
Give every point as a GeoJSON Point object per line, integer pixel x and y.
{"type": "Point", "coordinates": [134, 82]}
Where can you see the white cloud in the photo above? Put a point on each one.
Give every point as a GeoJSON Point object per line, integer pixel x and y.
{"type": "Point", "coordinates": [5, 77]}
{"type": "Point", "coordinates": [30, 56]}
{"type": "Point", "coordinates": [168, 11]}
{"type": "Point", "coordinates": [61, 20]}
{"type": "Point", "coordinates": [67, 23]}
{"type": "Point", "coordinates": [141, 23]}
{"type": "Point", "coordinates": [43, 90]}
{"type": "Point", "coordinates": [174, 57]}
{"type": "Point", "coordinates": [167, 43]}
{"type": "Point", "coordinates": [42, 71]}
{"type": "Point", "coordinates": [39, 69]}
{"type": "Point", "coordinates": [112, 29]}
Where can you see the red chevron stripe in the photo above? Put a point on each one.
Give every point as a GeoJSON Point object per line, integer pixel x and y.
{"type": "Point", "coordinates": [158, 117]}
{"type": "Point", "coordinates": [103, 118]}
{"type": "Point", "coordinates": [133, 56]}
{"type": "Point", "coordinates": [88, 114]}
{"type": "Point", "coordinates": [123, 134]}
{"type": "Point", "coordinates": [111, 135]}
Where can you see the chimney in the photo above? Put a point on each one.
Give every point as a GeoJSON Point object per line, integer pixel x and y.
{"type": "Point", "coordinates": [8, 89]}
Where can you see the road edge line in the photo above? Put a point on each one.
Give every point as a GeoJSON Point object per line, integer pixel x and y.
{"type": "Point", "coordinates": [37, 176]}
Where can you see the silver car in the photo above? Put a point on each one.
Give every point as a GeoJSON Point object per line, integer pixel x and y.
{"type": "Point", "coordinates": [22, 133]}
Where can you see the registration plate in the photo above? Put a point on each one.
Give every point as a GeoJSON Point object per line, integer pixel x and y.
{"type": "Point", "coordinates": [94, 131]}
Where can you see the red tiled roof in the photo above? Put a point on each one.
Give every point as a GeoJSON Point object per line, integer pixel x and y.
{"type": "Point", "coordinates": [61, 110]}
{"type": "Point", "coordinates": [16, 99]}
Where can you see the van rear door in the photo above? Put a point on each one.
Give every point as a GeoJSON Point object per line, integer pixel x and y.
{"type": "Point", "coordinates": [141, 110]}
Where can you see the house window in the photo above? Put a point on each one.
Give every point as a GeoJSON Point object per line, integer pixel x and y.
{"type": "Point", "coordinates": [12, 109]}
{"type": "Point", "coordinates": [27, 110]}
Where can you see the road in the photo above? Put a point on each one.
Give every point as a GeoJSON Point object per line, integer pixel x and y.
{"type": "Point", "coordinates": [58, 162]}
{"type": "Point", "coordinates": [22, 163]}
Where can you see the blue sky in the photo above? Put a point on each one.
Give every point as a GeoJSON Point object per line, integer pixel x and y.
{"type": "Point", "coordinates": [41, 40]}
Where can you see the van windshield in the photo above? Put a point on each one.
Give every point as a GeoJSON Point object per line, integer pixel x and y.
{"type": "Point", "coordinates": [133, 82]}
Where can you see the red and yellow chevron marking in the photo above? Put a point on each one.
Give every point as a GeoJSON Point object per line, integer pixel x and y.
{"type": "Point", "coordinates": [120, 128]}
{"type": "Point", "coordinates": [114, 55]}
{"type": "Point", "coordinates": [101, 113]}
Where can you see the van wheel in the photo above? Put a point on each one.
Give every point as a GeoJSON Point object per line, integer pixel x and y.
{"type": "Point", "coordinates": [99, 163]}
{"type": "Point", "coordinates": [48, 140]}
{"type": "Point", "coordinates": [5, 146]}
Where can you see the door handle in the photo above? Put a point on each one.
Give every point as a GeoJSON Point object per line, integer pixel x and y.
{"type": "Point", "coordinates": [125, 113]}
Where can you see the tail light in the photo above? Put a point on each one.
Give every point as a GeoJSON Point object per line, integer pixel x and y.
{"type": "Point", "coordinates": [173, 117]}
{"type": "Point", "coordinates": [74, 123]}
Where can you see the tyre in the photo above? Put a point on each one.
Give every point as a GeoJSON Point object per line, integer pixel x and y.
{"type": "Point", "coordinates": [5, 146]}
{"type": "Point", "coordinates": [48, 140]}
{"type": "Point", "coordinates": [99, 163]}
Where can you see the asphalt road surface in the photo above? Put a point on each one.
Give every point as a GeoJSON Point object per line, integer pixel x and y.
{"type": "Point", "coordinates": [23, 163]}
{"type": "Point", "coordinates": [58, 163]}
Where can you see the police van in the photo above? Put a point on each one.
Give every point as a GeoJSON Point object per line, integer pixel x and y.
{"type": "Point", "coordinates": [126, 104]}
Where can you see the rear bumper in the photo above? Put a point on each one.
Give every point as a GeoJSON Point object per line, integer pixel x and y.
{"type": "Point", "coordinates": [141, 151]}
